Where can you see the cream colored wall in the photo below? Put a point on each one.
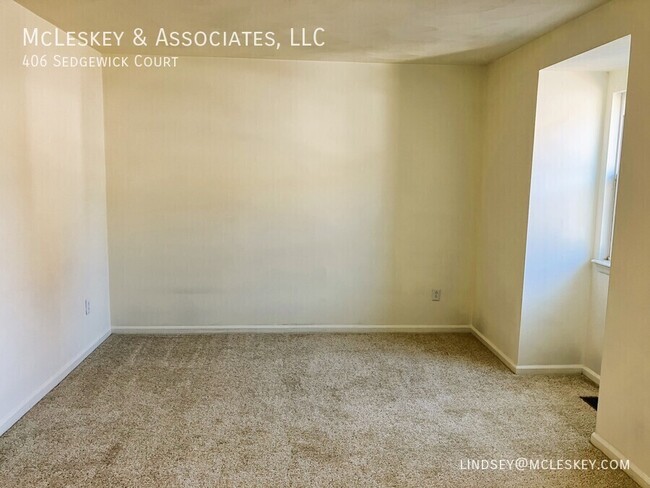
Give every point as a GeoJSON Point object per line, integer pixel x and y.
{"type": "Point", "coordinates": [53, 252]}
{"type": "Point", "coordinates": [503, 205]}
{"type": "Point", "coordinates": [624, 408]}
{"type": "Point", "coordinates": [562, 216]}
{"type": "Point", "coordinates": [279, 192]}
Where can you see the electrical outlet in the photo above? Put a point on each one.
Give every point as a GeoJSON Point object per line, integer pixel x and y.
{"type": "Point", "coordinates": [436, 295]}
{"type": "Point", "coordinates": [86, 307]}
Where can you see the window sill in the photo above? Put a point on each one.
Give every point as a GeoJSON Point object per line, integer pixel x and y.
{"type": "Point", "coordinates": [602, 265]}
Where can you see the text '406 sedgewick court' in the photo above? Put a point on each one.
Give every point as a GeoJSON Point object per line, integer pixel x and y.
{"type": "Point", "coordinates": [137, 61]}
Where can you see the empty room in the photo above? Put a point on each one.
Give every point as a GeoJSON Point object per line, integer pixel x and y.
{"type": "Point", "coordinates": [307, 243]}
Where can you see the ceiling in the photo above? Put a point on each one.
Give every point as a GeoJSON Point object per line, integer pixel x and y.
{"type": "Point", "coordinates": [421, 31]}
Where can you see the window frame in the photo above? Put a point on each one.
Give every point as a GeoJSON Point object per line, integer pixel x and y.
{"type": "Point", "coordinates": [611, 177]}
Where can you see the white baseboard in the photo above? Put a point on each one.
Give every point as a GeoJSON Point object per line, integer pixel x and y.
{"type": "Point", "coordinates": [535, 369]}
{"type": "Point", "coordinates": [550, 369]}
{"type": "Point", "coordinates": [45, 388]}
{"type": "Point", "coordinates": [611, 452]}
{"type": "Point", "coordinates": [289, 329]}
{"type": "Point", "coordinates": [591, 374]}
{"type": "Point", "coordinates": [560, 369]}
{"type": "Point", "coordinates": [495, 350]}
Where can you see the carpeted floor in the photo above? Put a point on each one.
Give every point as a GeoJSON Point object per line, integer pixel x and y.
{"type": "Point", "coordinates": [380, 410]}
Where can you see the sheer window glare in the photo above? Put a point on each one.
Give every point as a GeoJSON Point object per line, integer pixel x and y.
{"type": "Point", "coordinates": [612, 174]}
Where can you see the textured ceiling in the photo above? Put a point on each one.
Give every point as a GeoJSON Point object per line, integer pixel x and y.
{"type": "Point", "coordinates": [427, 31]}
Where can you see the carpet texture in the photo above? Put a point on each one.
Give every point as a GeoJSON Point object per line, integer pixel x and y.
{"type": "Point", "coordinates": [321, 410]}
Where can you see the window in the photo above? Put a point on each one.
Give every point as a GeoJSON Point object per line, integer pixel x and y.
{"type": "Point", "coordinates": [613, 164]}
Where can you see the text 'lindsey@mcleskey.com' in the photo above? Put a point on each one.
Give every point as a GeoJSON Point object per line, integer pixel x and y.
{"type": "Point", "coordinates": [529, 464]}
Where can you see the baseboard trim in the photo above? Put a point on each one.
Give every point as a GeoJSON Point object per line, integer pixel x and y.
{"type": "Point", "coordinates": [45, 388]}
{"type": "Point", "coordinates": [495, 350]}
{"type": "Point", "coordinates": [536, 368]}
{"type": "Point", "coordinates": [612, 453]}
{"type": "Point", "coordinates": [288, 329]}
{"type": "Point", "coordinates": [588, 373]}
{"type": "Point", "coordinates": [550, 369]}
{"type": "Point", "coordinates": [591, 375]}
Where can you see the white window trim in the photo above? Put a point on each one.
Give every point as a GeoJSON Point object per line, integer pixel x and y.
{"type": "Point", "coordinates": [602, 265]}
{"type": "Point", "coordinates": [609, 185]}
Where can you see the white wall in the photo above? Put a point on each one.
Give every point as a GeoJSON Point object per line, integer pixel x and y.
{"type": "Point", "coordinates": [53, 251]}
{"type": "Point", "coordinates": [279, 192]}
{"type": "Point", "coordinates": [624, 408]}
{"type": "Point", "coordinates": [562, 216]}
{"type": "Point", "coordinates": [595, 333]}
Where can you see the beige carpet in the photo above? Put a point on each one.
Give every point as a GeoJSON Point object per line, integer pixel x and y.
{"type": "Point", "coordinates": [383, 410]}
